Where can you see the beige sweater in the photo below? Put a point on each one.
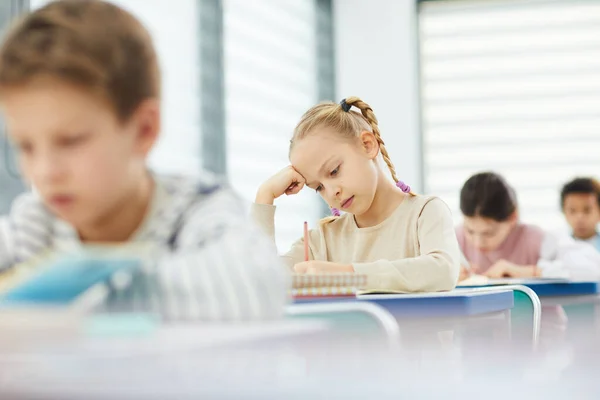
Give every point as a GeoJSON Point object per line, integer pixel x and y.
{"type": "Point", "coordinates": [413, 250]}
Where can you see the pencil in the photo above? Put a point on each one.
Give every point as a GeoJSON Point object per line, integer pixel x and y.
{"type": "Point", "coordinates": [305, 241]}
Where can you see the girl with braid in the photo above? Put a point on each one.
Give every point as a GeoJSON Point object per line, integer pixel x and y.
{"type": "Point", "coordinates": [402, 241]}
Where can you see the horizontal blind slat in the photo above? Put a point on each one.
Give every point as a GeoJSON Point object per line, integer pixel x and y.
{"type": "Point", "coordinates": [514, 87]}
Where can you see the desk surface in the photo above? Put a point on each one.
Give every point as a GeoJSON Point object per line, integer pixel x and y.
{"type": "Point", "coordinates": [456, 303]}
{"type": "Point", "coordinates": [546, 288]}
{"type": "Point", "coordinates": [168, 339]}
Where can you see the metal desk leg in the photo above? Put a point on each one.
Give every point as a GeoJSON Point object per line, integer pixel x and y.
{"type": "Point", "coordinates": [383, 317]}
{"type": "Point", "coordinates": [535, 302]}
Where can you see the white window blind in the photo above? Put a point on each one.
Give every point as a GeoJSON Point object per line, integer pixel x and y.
{"type": "Point", "coordinates": [514, 87]}
{"type": "Point", "coordinates": [270, 81]}
{"type": "Point", "coordinates": [174, 29]}
{"type": "Point", "coordinates": [10, 177]}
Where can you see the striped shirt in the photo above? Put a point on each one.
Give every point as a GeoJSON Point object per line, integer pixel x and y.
{"type": "Point", "coordinates": [209, 262]}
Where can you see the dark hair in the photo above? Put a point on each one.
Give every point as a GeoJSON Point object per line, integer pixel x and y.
{"type": "Point", "coordinates": [93, 44]}
{"type": "Point", "coordinates": [488, 195]}
{"type": "Point", "coordinates": [580, 186]}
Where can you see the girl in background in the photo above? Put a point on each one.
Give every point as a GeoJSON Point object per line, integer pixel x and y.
{"type": "Point", "coordinates": [497, 244]}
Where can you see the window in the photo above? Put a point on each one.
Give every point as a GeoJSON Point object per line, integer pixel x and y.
{"type": "Point", "coordinates": [212, 91]}
{"type": "Point", "coordinates": [511, 86]}
{"type": "Point", "coordinates": [179, 148]}
{"type": "Point", "coordinates": [271, 79]}
{"type": "Point", "coordinates": [10, 180]}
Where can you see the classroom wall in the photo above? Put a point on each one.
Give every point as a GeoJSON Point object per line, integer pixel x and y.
{"type": "Point", "coordinates": [376, 59]}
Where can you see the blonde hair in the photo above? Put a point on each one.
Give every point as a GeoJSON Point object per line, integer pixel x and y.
{"type": "Point", "coordinates": [346, 122]}
{"type": "Point", "coordinates": [90, 43]}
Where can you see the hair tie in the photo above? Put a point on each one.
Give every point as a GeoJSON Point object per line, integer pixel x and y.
{"type": "Point", "coordinates": [335, 212]}
{"type": "Point", "coordinates": [345, 106]}
{"type": "Point", "coordinates": [403, 186]}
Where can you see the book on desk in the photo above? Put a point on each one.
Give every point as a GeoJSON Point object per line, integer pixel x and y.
{"type": "Point", "coordinates": [543, 287]}
{"type": "Point", "coordinates": [327, 285]}
{"type": "Point", "coordinates": [482, 280]}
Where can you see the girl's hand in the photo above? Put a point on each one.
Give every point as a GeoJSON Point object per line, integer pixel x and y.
{"type": "Point", "coordinates": [317, 267]}
{"type": "Point", "coordinates": [287, 181]}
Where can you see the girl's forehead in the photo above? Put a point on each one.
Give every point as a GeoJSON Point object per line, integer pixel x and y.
{"type": "Point", "coordinates": [310, 153]}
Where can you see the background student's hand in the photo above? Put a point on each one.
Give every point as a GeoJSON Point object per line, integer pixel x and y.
{"type": "Point", "coordinates": [500, 269]}
{"type": "Point", "coordinates": [505, 269]}
{"type": "Point", "coordinates": [287, 181]}
{"type": "Point", "coordinates": [464, 273]}
{"type": "Point", "coordinates": [317, 267]}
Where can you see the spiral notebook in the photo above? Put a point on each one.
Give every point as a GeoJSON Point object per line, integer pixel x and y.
{"type": "Point", "coordinates": [327, 285]}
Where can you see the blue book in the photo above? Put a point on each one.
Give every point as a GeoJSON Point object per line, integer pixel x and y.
{"type": "Point", "coordinates": [65, 279]}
